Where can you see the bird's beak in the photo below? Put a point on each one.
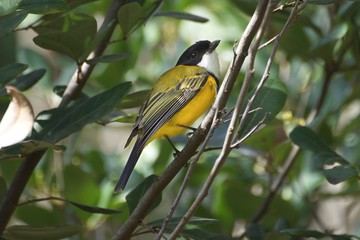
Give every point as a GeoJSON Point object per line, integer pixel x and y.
{"type": "Point", "coordinates": [213, 46]}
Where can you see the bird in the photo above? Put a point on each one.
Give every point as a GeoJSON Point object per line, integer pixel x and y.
{"type": "Point", "coordinates": [178, 98]}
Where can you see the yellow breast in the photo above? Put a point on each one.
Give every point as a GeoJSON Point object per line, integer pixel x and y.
{"type": "Point", "coordinates": [191, 112]}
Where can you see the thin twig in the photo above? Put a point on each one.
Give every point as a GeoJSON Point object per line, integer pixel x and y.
{"type": "Point", "coordinates": [264, 45]}
{"type": "Point", "coordinates": [249, 133]}
{"type": "Point", "coordinates": [284, 6]}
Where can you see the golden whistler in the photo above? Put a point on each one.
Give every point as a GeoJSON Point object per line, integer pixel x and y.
{"type": "Point", "coordinates": [179, 97]}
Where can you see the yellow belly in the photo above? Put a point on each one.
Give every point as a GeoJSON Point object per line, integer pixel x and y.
{"type": "Point", "coordinates": [190, 113]}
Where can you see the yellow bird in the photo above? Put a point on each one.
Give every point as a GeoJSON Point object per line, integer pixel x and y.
{"type": "Point", "coordinates": [179, 97]}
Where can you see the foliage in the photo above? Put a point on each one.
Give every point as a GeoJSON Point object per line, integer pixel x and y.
{"type": "Point", "coordinates": [295, 176]}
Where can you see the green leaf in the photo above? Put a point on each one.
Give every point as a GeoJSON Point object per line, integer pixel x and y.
{"type": "Point", "coordinates": [3, 188]}
{"type": "Point", "coordinates": [11, 21]}
{"type": "Point", "coordinates": [136, 194]}
{"type": "Point", "coordinates": [325, 47]}
{"type": "Point", "coordinates": [316, 234]}
{"type": "Point", "coordinates": [133, 100]}
{"type": "Point", "coordinates": [135, 13]}
{"type": "Point", "coordinates": [59, 90]}
{"type": "Point", "coordinates": [323, 2]}
{"type": "Point", "coordinates": [118, 116]}
{"type": "Point", "coordinates": [69, 40]}
{"type": "Point", "coordinates": [86, 208]}
{"type": "Point", "coordinates": [56, 124]}
{"type": "Point", "coordinates": [182, 15]}
{"type": "Point", "coordinates": [269, 103]}
{"type": "Point", "coordinates": [41, 233]}
{"type": "Point", "coordinates": [24, 148]}
{"type": "Point", "coordinates": [200, 234]}
{"type": "Point", "coordinates": [303, 233]}
{"type": "Point", "coordinates": [76, 3]}
{"type": "Point", "coordinates": [10, 71]}
{"type": "Point", "coordinates": [255, 232]}
{"type": "Point", "coordinates": [43, 6]}
{"type": "Point", "coordinates": [196, 221]}
{"type": "Point", "coordinates": [307, 139]}
{"type": "Point", "coordinates": [340, 174]}
{"type": "Point", "coordinates": [92, 209]}
{"type": "Point", "coordinates": [128, 17]}
{"type": "Point", "coordinates": [108, 58]}
{"type": "Point", "coordinates": [25, 81]}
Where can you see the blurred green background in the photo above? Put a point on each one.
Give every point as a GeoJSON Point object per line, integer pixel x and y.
{"type": "Point", "coordinates": [324, 41]}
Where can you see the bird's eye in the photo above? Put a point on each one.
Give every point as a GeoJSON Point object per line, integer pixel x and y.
{"type": "Point", "coordinates": [193, 55]}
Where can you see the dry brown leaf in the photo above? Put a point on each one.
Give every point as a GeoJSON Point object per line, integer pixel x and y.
{"type": "Point", "coordinates": [18, 119]}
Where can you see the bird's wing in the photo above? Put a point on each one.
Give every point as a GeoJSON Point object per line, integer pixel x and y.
{"type": "Point", "coordinates": [162, 106]}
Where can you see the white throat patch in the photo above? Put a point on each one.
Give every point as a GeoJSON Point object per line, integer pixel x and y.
{"type": "Point", "coordinates": [210, 61]}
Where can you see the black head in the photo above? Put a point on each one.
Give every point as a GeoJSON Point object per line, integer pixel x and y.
{"type": "Point", "coordinates": [193, 55]}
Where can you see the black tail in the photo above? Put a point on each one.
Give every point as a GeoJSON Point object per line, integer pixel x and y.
{"type": "Point", "coordinates": [130, 164]}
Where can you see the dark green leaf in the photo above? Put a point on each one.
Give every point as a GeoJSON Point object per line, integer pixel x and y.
{"type": "Point", "coordinates": [323, 2]}
{"type": "Point", "coordinates": [303, 233]}
{"type": "Point", "coordinates": [133, 100]}
{"type": "Point", "coordinates": [97, 39]}
{"type": "Point", "coordinates": [76, 3]}
{"type": "Point", "coordinates": [196, 221]}
{"type": "Point", "coordinates": [117, 116]}
{"type": "Point", "coordinates": [69, 41]}
{"type": "Point", "coordinates": [307, 139]}
{"type": "Point", "coordinates": [182, 15]}
{"type": "Point", "coordinates": [10, 71]}
{"type": "Point", "coordinates": [108, 58]}
{"type": "Point", "coordinates": [44, 6]}
{"type": "Point", "coordinates": [325, 47]}
{"type": "Point", "coordinates": [3, 188]}
{"type": "Point", "coordinates": [56, 124]}
{"type": "Point", "coordinates": [135, 13]}
{"type": "Point", "coordinates": [269, 103]}
{"type": "Point", "coordinates": [86, 208]}
{"type": "Point", "coordinates": [24, 148]}
{"type": "Point", "coordinates": [128, 17]}
{"type": "Point", "coordinates": [136, 194]}
{"type": "Point", "coordinates": [316, 234]}
{"type": "Point", "coordinates": [92, 209]}
{"type": "Point", "coordinates": [255, 232]}
{"type": "Point", "coordinates": [25, 81]}
{"type": "Point", "coordinates": [11, 21]}
{"type": "Point", "coordinates": [59, 90]}
{"type": "Point", "coordinates": [340, 174]}
{"type": "Point", "coordinates": [275, 236]}
{"type": "Point", "coordinates": [200, 234]}
{"type": "Point", "coordinates": [41, 233]}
